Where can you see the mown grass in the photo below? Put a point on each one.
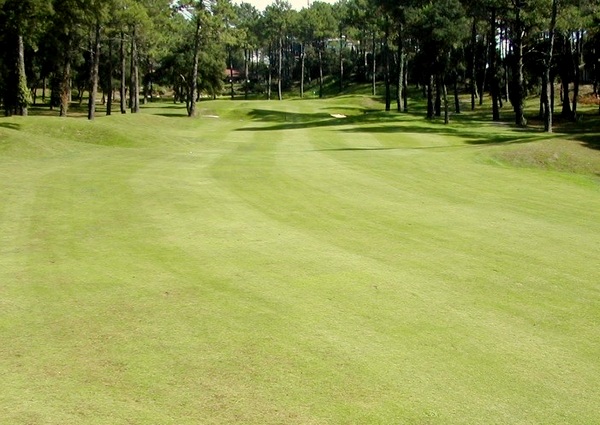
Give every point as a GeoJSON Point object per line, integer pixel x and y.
{"type": "Point", "coordinates": [277, 265]}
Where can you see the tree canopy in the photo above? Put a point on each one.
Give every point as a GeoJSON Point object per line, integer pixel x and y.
{"type": "Point", "coordinates": [135, 50]}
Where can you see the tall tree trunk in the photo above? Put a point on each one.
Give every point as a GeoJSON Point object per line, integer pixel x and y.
{"type": "Point", "coordinates": [23, 96]}
{"type": "Point", "coordinates": [546, 81]}
{"type": "Point", "coordinates": [519, 92]}
{"type": "Point", "coordinates": [400, 76]}
{"type": "Point", "coordinates": [430, 111]}
{"type": "Point", "coordinates": [438, 96]}
{"type": "Point", "coordinates": [405, 85]}
{"type": "Point", "coordinates": [445, 96]}
{"type": "Point", "coordinates": [506, 47]}
{"type": "Point", "coordinates": [577, 75]}
{"type": "Point", "coordinates": [474, 93]}
{"type": "Point", "coordinates": [109, 81]}
{"type": "Point", "coordinates": [302, 57]}
{"type": "Point", "coordinates": [150, 79]}
{"type": "Point", "coordinates": [270, 77]}
{"type": "Point", "coordinates": [387, 77]}
{"type": "Point", "coordinates": [365, 61]}
{"type": "Point", "coordinates": [279, 68]}
{"type": "Point", "coordinates": [194, 83]}
{"type": "Point", "coordinates": [565, 69]}
{"type": "Point", "coordinates": [485, 70]}
{"type": "Point", "coordinates": [374, 68]}
{"type": "Point", "coordinates": [341, 63]}
{"type": "Point", "coordinates": [65, 80]}
{"type": "Point", "coordinates": [456, 98]}
{"type": "Point", "coordinates": [494, 72]}
{"type": "Point", "coordinates": [246, 73]}
{"type": "Point", "coordinates": [134, 89]}
{"type": "Point", "coordinates": [94, 66]}
{"type": "Point", "coordinates": [123, 89]}
{"type": "Point", "coordinates": [232, 94]}
{"type": "Point", "coordinates": [552, 94]}
{"type": "Point", "coordinates": [320, 73]}
{"type": "Point", "coordinates": [34, 93]}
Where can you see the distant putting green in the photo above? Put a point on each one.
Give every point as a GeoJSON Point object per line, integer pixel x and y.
{"type": "Point", "coordinates": [296, 262]}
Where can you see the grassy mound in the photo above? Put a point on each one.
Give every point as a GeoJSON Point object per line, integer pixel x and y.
{"type": "Point", "coordinates": [280, 265]}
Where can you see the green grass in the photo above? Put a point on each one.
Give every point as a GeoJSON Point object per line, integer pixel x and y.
{"type": "Point", "coordinates": [277, 265]}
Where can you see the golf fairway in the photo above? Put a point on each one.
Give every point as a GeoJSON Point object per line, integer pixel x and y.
{"type": "Point", "coordinates": [278, 265]}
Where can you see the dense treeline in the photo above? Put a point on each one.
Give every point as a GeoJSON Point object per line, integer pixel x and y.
{"type": "Point", "coordinates": [127, 51]}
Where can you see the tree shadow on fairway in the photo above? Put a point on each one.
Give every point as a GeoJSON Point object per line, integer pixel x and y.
{"type": "Point", "coordinates": [270, 115]}
{"type": "Point", "coordinates": [472, 128]}
{"type": "Point", "coordinates": [293, 120]}
{"type": "Point", "coordinates": [172, 114]}
{"type": "Point", "coordinates": [357, 149]}
{"type": "Point", "coordinates": [465, 133]}
{"type": "Point", "coordinates": [10, 125]}
{"type": "Point", "coordinates": [591, 141]}
{"type": "Point", "coordinates": [585, 130]}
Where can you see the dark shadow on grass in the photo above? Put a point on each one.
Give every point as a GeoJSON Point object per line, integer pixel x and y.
{"type": "Point", "coordinates": [463, 126]}
{"type": "Point", "coordinates": [466, 133]}
{"type": "Point", "coordinates": [358, 149]}
{"type": "Point", "coordinates": [292, 121]}
{"type": "Point", "coordinates": [591, 141]}
{"type": "Point", "coordinates": [10, 125]}
{"type": "Point", "coordinates": [270, 115]}
{"type": "Point", "coordinates": [585, 130]}
{"type": "Point", "coordinates": [172, 115]}
{"type": "Point", "coordinates": [354, 149]}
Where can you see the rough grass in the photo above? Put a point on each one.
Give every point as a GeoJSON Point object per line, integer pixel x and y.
{"type": "Point", "coordinates": [280, 266]}
{"type": "Point", "coordinates": [556, 154]}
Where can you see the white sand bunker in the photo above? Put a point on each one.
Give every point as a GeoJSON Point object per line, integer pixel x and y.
{"type": "Point", "coordinates": [338, 115]}
{"type": "Point", "coordinates": [210, 116]}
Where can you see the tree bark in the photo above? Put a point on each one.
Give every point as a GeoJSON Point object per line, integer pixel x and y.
{"type": "Point", "coordinates": [485, 70]}
{"type": "Point", "coordinates": [445, 96]}
{"type": "Point", "coordinates": [577, 76]}
{"type": "Point", "coordinates": [518, 93]}
{"type": "Point", "coordinates": [23, 90]}
{"type": "Point", "coordinates": [65, 80]}
{"type": "Point", "coordinates": [405, 85]}
{"type": "Point", "coordinates": [134, 89]}
{"type": "Point", "coordinates": [430, 111]}
{"type": "Point", "coordinates": [374, 68]}
{"type": "Point", "coordinates": [302, 58]}
{"type": "Point", "coordinates": [270, 77]}
{"type": "Point", "coordinates": [194, 83]}
{"type": "Point", "coordinates": [400, 76]}
{"type": "Point", "coordinates": [232, 94]}
{"type": "Point", "coordinates": [546, 81]}
{"type": "Point", "coordinates": [94, 66]}
{"type": "Point", "coordinates": [494, 77]}
{"type": "Point", "coordinates": [341, 63]}
{"type": "Point", "coordinates": [456, 98]}
{"type": "Point", "coordinates": [279, 68]}
{"type": "Point", "coordinates": [386, 54]}
{"type": "Point", "coordinates": [109, 76]}
{"type": "Point", "coordinates": [438, 96]}
{"type": "Point", "coordinates": [320, 73]}
{"type": "Point", "coordinates": [474, 93]}
{"type": "Point", "coordinates": [123, 89]}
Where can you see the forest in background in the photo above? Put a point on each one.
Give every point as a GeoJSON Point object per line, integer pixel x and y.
{"type": "Point", "coordinates": [130, 51]}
